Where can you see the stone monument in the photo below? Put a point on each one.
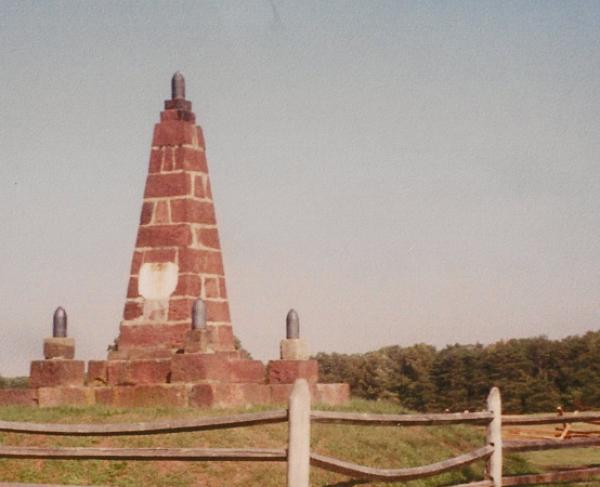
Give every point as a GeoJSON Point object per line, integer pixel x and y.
{"type": "Point", "coordinates": [175, 345]}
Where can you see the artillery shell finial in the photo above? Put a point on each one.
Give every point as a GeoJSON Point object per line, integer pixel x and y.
{"type": "Point", "coordinates": [178, 86]}
{"type": "Point", "coordinates": [59, 323]}
{"type": "Point", "coordinates": [292, 324]}
{"type": "Point", "coordinates": [198, 314]}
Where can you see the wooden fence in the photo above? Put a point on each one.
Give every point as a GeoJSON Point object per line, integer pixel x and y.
{"type": "Point", "coordinates": [298, 456]}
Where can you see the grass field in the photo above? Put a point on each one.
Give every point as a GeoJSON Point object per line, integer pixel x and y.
{"type": "Point", "coordinates": [388, 447]}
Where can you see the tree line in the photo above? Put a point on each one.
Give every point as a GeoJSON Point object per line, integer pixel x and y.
{"type": "Point", "coordinates": [533, 374]}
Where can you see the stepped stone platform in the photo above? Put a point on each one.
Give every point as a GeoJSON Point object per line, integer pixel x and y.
{"type": "Point", "coordinates": [205, 380]}
{"type": "Point", "coordinates": [176, 345]}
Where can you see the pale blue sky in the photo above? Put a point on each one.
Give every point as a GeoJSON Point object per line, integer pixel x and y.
{"type": "Point", "coordinates": [398, 172]}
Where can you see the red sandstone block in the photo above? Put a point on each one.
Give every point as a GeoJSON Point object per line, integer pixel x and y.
{"type": "Point", "coordinates": [195, 367]}
{"type": "Point", "coordinates": [161, 213]}
{"type": "Point", "coordinates": [56, 347]}
{"type": "Point", "coordinates": [161, 395]}
{"type": "Point", "coordinates": [18, 397]}
{"type": "Point", "coordinates": [155, 160]}
{"type": "Point", "coordinates": [142, 335]}
{"type": "Point", "coordinates": [177, 114]}
{"type": "Point", "coordinates": [164, 236]}
{"type": "Point", "coordinates": [257, 393]}
{"type": "Point", "coordinates": [160, 255]}
{"type": "Point", "coordinates": [333, 394]}
{"type": "Point", "coordinates": [146, 216]}
{"type": "Point", "coordinates": [208, 237]}
{"type": "Point", "coordinates": [132, 310]}
{"type": "Point", "coordinates": [217, 311]}
{"type": "Point", "coordinates": [192, 211]}
{"type": "Point", "coordinates": [190, 159]}
{"type": "Point", "coordinates": [229, 354]}
{"type": "Point", "coordinates": [132, 288]}
{"type": "Point", "coordinates": [136, 262]}
{"type": "Point", "coordinates": [201, 395]}
{"type": "Point", "coordinates": [249, 371]}
{"type": "Point", "coordinates": [117, 355]}
{"type": "Point", "coordinates": [188, 285]}
{"type": "Point", "coordinates": [287, 371]}
{"type": "Point", "coordinates": [97, 374]}
{"type": "Point", "coordinates": [211, 287]}
{"type": "Point", "coordinates": [169, 159]}
{"type": "Point", "coordinates": [200, 261]}
{"type": "Point", "coordinates": [236, 395]}
{"type": "Point", "coordinates": [222, 288]}
{"type": "Point", "coordinates": [132, 372]}
{"type": "Point", "coordinates": [178, 104]}
{"type": "Point", "coordinates": [221, 338]}
{"type": "Point", "coordinates": [56, 372]}
{"type": "Point", "coordinates": [104, 395]}
{"type": "Point", "coordinates": [199, 191]}
{"type": "Point", "coordinates": [196, 341]}
{"type": "Point", "coordinates": [149, 371]}
{"type": "Point", "coordinates": [208, 189]}
{"type": "Point", "coordinates": [65, 396]}
{"type": "Point", "coordinates": [117, 372]}
{"type": "Point", "coordinates": [228, 395]}
{"type": "Point", "coordinates": [280, 393]}
{"type": "Point", "coordinates": [175, 132]}
{"type": "Point", "coordinates": [148, 352]}
{"type": "Point", "coordinates": [180, 309]}
{"type": "Point", "coordinates": [200, 136]}
{"type": "Point", "coordinates": [163, 185]}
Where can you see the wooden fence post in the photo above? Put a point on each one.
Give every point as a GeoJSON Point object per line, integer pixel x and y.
{"type": "Point", "coordinates": [494, 437]}
{"type": "Point", "coordinates": [298, 455]}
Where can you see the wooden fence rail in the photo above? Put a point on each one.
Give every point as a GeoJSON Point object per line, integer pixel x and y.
{"type": "Point", "coordinates": [202, 424]}
{"type": "Point", "coordinates": [484, 417]}
{"type": "Point", "coordinates": [298, 456]}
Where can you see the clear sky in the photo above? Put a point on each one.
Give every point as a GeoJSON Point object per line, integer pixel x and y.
{"type": "Point", "coordinates": [398, 172]}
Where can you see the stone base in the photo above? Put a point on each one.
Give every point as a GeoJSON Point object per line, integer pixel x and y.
{"type": "Point", "coordinates": [293, 349]}
{"type": "Point", "coordinates": [134, 372]}
{"type": "Point", "coordinates": [18, 397]}
{"type": "Point", "coordinates": [59, 348]}
{"type": "Point", "coordinates": [287, 371]}
{"type": "Point", "coordinates": [149, 395]}
{"type": "Point", "coordinates": [220, 367]}
{"type": "Point", "coordinates": [170, 336]}
{"type": "Point", "coordinates": [228, 395]}
{"type": "Point", "coordinates": [97, 374]}
{"type": "Point", "coordinates": [198, 367]}
{"type": "Point", "coordinates": [140, 353]}
{"type": "Point", "coordinates": [220, 338]}
{"type": "Point", "coordinates": [172, 395]}
{"type": "Point", "coordinates": [65, 396]}
{"type": "Point", "coordinates": [242, 370]}
{"type": "Point", "coordinates": [196, 341]}
{"type": "Point", "coordinates": [56, 372]}
{"type": "Point", "coordinates": [151, 335]}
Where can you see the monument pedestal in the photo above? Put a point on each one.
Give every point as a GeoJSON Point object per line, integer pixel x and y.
{"type": "Point", "coordinates": [56, 372]}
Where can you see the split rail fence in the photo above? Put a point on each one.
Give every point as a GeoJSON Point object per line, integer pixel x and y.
{"type": "Point", "coordinates": [298, 456]}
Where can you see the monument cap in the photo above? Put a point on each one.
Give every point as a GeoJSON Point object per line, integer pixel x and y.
{"type": "Point", "coordinates": [178, 86]}
{"type": "Point", "coordinates": [292, 324]}
{"type": "Point", "coordinates": [59, 323]}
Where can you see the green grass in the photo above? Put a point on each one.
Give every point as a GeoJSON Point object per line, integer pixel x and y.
{"type": "Point", "coordinates": [563, 459]}
{"type": "Point", "coordinates": [386, 447]}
